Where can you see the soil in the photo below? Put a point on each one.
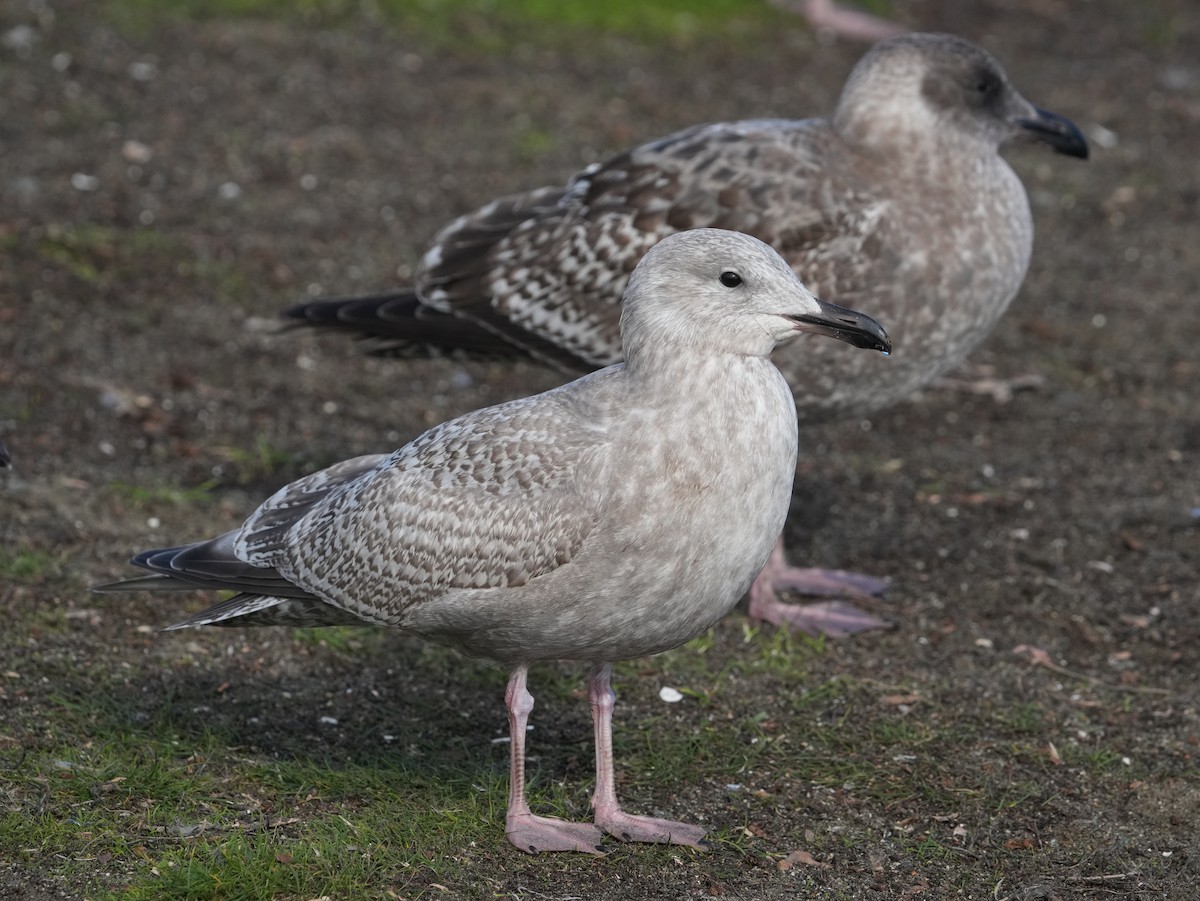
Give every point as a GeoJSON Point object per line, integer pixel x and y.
{"type": "Point", "coordinates": [165, 190]}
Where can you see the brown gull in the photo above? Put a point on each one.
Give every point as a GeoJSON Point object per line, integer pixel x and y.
{"type": "Point", "coordinates": [617, 516]}
{"type": "Point", "coordinates": [899, 204]}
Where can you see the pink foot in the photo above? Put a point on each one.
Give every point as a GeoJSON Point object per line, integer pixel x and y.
{"type": "Point", "coordinates": [534, 834]}
{"type": "Point", "coordinates": [826, 583]}
{"type": "Point", "coordinates": [837, 619]}
{"type": "Point", "coordinates": [630, 828]}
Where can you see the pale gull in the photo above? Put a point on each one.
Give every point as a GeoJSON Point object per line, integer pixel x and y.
{"type": "Point", "coordinates": [899, 204]}
{"type": "Point", "coordinates": [617, 516]}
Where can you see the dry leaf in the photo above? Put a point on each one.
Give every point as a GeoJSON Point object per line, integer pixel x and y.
{"type": "Point", "coordinates": [801, 856]}
{"type": "Point", "coordinates": [1036, 656]}
{"type": "Point", "coordinates": [1132, 541]}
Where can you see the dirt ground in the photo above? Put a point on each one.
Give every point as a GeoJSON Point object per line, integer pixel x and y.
{"type": "Point", "coordinates": [166, 188]}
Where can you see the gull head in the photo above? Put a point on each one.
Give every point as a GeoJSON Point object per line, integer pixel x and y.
{"type": "Point", "coordinates": [927, 89]}
{"type": "Point", "coordinates": [716, 291]}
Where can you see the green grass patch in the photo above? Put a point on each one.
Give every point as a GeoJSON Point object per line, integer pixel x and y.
{"type": "Point", "coordinates": [98, 254]}
{"type": "Point", "coordinates": [28, 566]}
{"type": "Point", "coordinates": [341, 639]}
{"type": "Point", "coordinates": [488, 25]}
{"type": "Point", "coordinates": [172, 794]}
{"type": "Point", "coordinates": [262, 462]}
{"type": "Point", "coordinates": [185, 814]}
{"type": "Point", "coordinates": [144, 495]}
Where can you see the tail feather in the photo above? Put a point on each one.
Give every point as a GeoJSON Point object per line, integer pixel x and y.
{"type": "Point", "coordinates": [261, 610]}
{"type": "Point", "coordinates": [210, 565]}
{"type": "Point", "coordinates": [198, 563]}
{"type": "Point", "coordinates": [398, 324]}
{"type": "Point", "coordinates": [264, 597]}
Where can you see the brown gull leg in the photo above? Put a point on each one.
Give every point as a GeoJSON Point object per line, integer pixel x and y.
{"type": "Point", "coordinates": [529, 833]}
{"type": "Point", "coordinates": [609, 815]}
{"type": "Point", "coordinates": [836, 619]}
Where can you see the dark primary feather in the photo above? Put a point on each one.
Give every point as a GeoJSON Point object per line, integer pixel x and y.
{"type": "Point", "coordinates": [398, 324]}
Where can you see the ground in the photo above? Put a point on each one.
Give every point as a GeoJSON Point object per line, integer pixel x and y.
{"type": "Point", "coordinates": [1030, 730]}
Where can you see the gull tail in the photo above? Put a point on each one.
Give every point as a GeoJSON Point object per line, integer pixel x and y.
{"type": "Point", "coordinates": [398, 324]}
{"type": "Point", "coordinates": [264, 597]}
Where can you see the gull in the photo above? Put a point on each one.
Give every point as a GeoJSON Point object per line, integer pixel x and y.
{"type": "Point", "coordinates": [616, 516]}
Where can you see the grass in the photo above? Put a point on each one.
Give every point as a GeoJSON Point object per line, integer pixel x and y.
{"type": "Point", "coordinates": [27, 566]}
{"type": "Point", "coordinates": [148, 496]}
{"type": "Point", "coordinates": [189, 814]}
{"type": "Point", "coordinates": [99, 255]}
{"type": "Point", "coordinates": [481, 25]}
{"type": "Point", "coordinates": [151, 782]}
{"type": "Point", "coordinates": [261, 464]}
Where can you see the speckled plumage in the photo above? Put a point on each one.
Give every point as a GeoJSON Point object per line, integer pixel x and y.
{"type": "Point", "coordinates": [614, 517]}
{"type": "Point", "coordinates": [899, 204]}
{"type": "Point", "coordinates": [485, 530]}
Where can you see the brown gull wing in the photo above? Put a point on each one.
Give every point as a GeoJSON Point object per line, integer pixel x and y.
{"type": "Point", "coordinates": [546, 270]}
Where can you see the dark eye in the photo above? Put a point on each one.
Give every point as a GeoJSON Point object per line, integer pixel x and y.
{"type": "Point", "coordinates": [987, 84]}
{"type": "Point", "coordinates": [730, 279]}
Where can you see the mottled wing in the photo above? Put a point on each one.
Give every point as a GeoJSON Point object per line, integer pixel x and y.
{"type": "Point", "coordinates": [548, 269]}
{"type": "Point", "coordinates": [458, 272]}
{"type": "Point", "coordinates": [492, 499]}
{"type": "Point", "coordinates": [271, 524]}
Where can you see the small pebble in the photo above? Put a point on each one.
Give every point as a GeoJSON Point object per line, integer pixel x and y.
{"type": "Point", "coordinates": [81, 181]}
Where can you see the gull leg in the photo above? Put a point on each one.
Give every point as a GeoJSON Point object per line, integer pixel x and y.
{"type": "Point", "coordinates": [983, 380]}
{"type": "Point", "coordinates": [836, 619]}
{"type": "Point", "coordinates": [609, 816]}
{"type": "Point", "coordinates": [825, 15]}
{"type": "Point", "coordinates": [529, 833]}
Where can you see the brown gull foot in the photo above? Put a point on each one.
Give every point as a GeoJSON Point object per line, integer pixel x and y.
{"type": "Point", "coordinates": [837, 619]}
{"type": "Point", "coordinates": [609, 816]}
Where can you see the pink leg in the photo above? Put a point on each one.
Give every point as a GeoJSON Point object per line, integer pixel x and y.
{"type": "Point", "coordinates": [609, 815]}
{"type": "Point", "coordinates": [836, 619]}
{"type": "Point", "coordinates": [529, 833]}
{"type": "Point", "coordinates": [825, 15]}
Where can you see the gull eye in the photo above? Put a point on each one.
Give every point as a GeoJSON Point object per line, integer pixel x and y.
{"type": "Point", "coordinates": [730, 279]}
{"type": "Point", "coordinates": [987, 84]}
